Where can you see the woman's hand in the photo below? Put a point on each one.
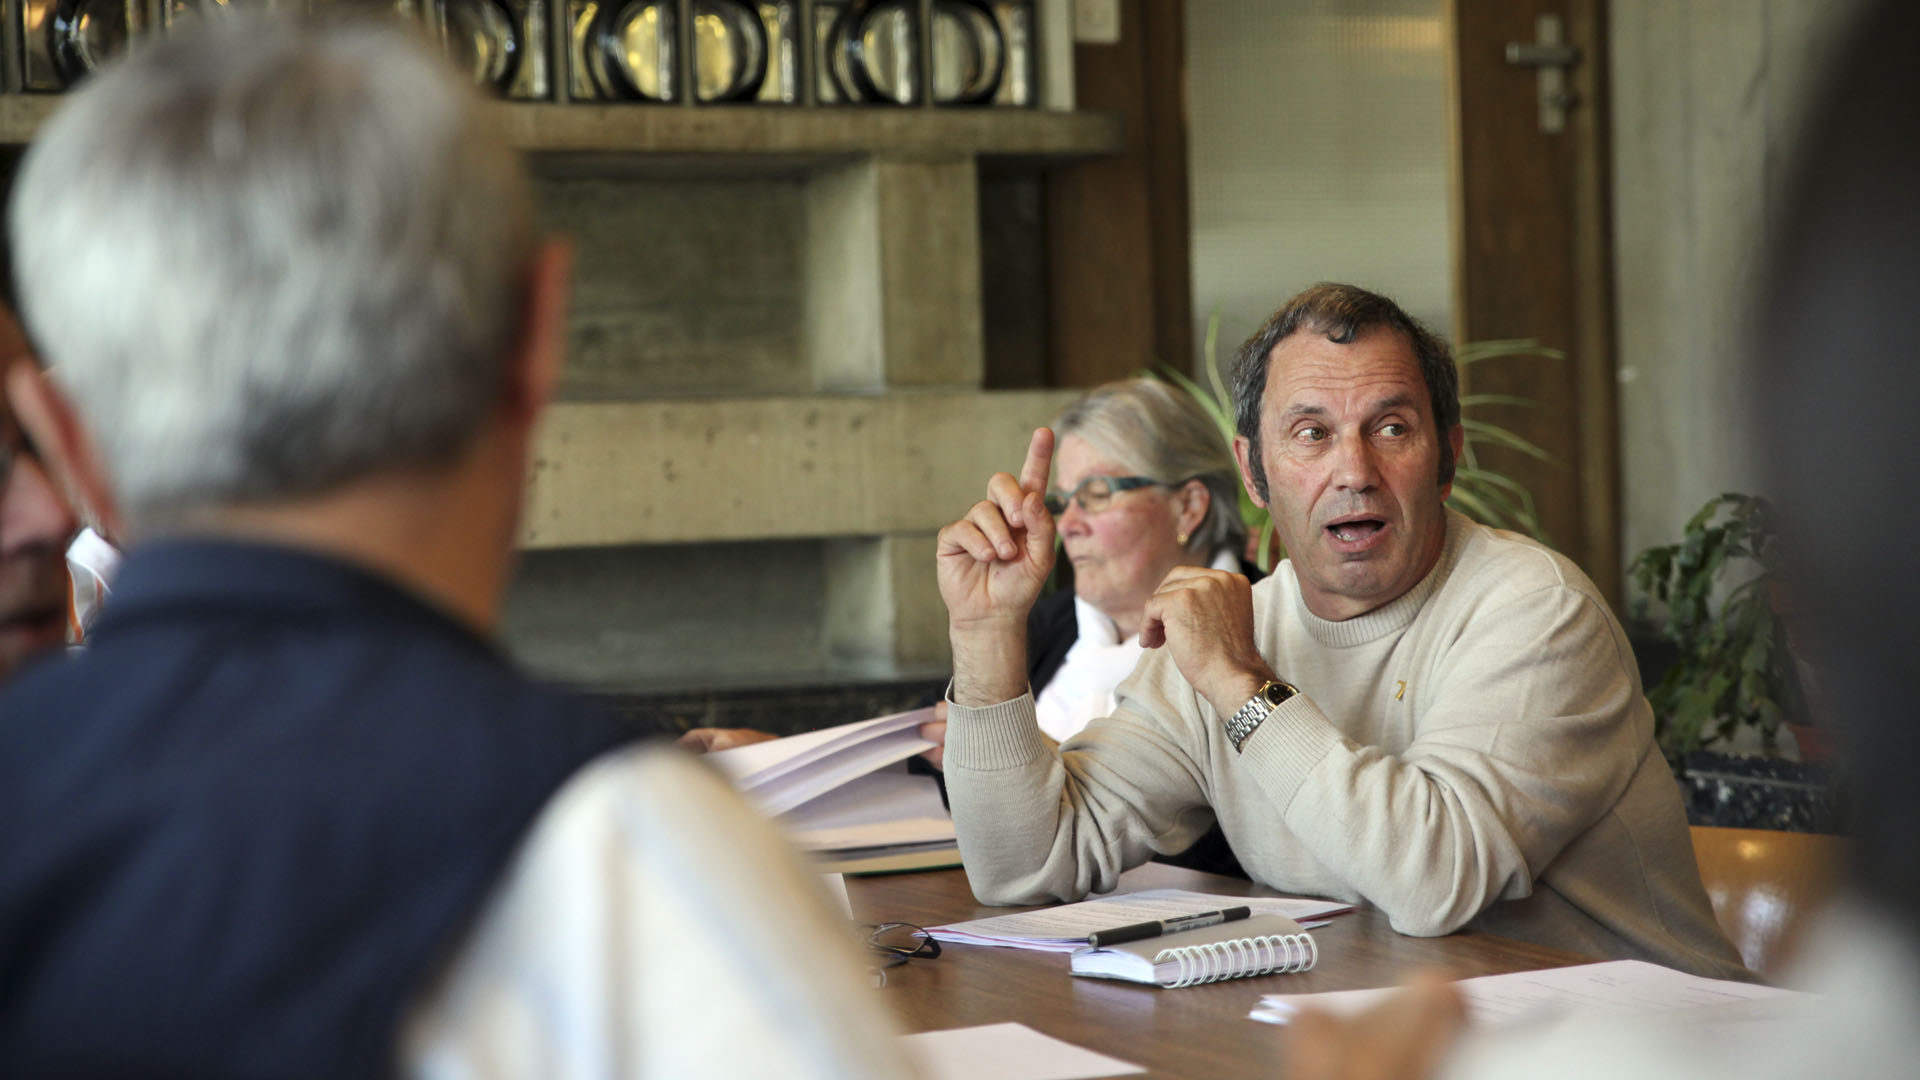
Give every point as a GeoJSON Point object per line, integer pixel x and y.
{"type": "Point", "coordinates": [706, 740]}
{"type": "Point", "coordinates": [935, 730]}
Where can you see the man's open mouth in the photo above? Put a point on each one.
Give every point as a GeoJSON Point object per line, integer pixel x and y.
{"type": "Point", "coordinates": [1356, 529]}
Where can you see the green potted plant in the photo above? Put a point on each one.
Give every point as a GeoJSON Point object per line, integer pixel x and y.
{"type": "Point", "coordinates": [1734, 667]}
{"type": "Point", "coordinates": [1489, 497]}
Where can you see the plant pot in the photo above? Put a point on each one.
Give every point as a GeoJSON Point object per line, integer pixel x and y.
{"type": "Point", "coordinates": [1752, 791]}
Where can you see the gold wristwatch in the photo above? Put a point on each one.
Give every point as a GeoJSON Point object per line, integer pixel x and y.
{"type": "Point", "coordinates": [1270, 696]}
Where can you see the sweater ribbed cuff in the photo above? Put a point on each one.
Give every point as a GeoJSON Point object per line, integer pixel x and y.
{"type": "Point", "coordinates": [1003, 736]}
{"type": "Point", "coordinates": [1287, 746]}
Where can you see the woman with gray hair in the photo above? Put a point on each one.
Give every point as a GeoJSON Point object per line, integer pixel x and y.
{"type": "Point", "coordinates": [1143, 482]}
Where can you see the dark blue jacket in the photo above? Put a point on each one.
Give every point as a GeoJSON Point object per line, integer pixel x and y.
{"type": "Point", "coordinates": [242, 832]}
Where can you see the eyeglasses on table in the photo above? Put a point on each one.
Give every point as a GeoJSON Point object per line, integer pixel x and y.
{"type": "Point", "coordinates": [894, 943]}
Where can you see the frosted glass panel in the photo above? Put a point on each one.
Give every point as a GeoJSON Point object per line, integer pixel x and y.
{"type": "Point", "coordinates": [1318, 151]}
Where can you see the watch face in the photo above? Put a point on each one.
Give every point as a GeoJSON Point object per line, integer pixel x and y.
{"type": "Point", "coordinates": [1276, 693]}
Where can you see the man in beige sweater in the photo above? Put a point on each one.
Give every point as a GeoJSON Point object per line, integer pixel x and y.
{"type": "Point", "coordinates": [1414, 711]}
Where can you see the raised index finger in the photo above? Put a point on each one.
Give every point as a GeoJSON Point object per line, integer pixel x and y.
{"type": "Point", "coordinates": [1033, 475]}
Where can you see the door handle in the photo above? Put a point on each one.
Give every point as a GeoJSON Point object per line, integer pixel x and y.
{"type": "Point", "coordinates": [1551, 56]}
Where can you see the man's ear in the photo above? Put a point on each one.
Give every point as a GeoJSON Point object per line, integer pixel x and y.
{"type": "Point", "coordinates": [1243, 453]}
{"type": "Point", "coordinates": [1457, 439]}
{"type": "Point", "coordinates": [534, 371]}
{"type": "Point", "coordinates": [66, 449]}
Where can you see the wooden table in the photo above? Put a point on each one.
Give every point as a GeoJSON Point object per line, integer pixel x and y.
{"type": "Point", "coordinates": [1200, 1031]}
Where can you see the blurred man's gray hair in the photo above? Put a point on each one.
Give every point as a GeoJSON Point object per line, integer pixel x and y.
{"type": "Point", "coordinates": [269, 258]}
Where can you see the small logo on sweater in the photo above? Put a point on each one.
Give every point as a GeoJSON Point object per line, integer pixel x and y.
{"type": "Point", "coordinates": [1399, 689]}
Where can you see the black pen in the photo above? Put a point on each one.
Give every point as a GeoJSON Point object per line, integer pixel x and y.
{"type": "Point", "coordinates": [1100, 939]}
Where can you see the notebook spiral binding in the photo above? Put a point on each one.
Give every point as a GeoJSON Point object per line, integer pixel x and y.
{"type": "Point", "coordinates": [1240, 958]}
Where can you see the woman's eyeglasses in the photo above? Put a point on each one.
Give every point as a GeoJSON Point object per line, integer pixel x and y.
{"type": "Point", "coordinates": [894, 943]}
{"type": "Point", "coordinates": [1095, 492]}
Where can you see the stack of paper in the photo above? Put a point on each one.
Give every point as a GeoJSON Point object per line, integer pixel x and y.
{"type": "Point", "coordinates": [1615, 988]}
{"type": "Point", "coordinates": [1065, 928]}
{"type": "Point", "coordinates": [845, 794]}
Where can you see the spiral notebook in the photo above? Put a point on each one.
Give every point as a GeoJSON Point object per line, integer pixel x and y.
{"type": "Point", "coordinates": [1262, 945]}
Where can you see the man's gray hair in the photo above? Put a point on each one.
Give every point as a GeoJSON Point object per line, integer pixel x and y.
{"type": "Point", "coordinates": [269, 258]}
{"type": "Point", "coordinates": [1342, 314]}
{"type": "Point", "coordinates": [1154, 430]}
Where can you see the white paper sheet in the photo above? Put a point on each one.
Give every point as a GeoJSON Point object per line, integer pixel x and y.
{"type": "Point", "coordinates": [755, 764]}
{"type": "Point", "coordinates": [779, 775]}
{"type": "Point", "coordinates": [885, 807]}
{"type": "Point", "coordinates": [1006, 1052]}
{"type": "Point", "coordinates": [1065, 928]}
{"type": "Point", "coordinates": [1615, 988]}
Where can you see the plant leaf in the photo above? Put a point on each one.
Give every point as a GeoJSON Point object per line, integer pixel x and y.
{"type": "Point", "coordinates": [1472, 505]}
{"type": "Point", "coordinates": [1469, 401]}
{"type": "Point", "coordinates": [1501, 436]}
{"type": "Point", "coordinates": [1510, 509]}
{"type": "Point", "coordinates": [1265, 560]}
{"type": "Point", "coordinates": [1493, 479]}
{"type": "Point", "coordinates": [1476, 351]}
{"type": "Point", "coordinates": [1219, 413]}
{"type": "Point", "coordinates": [1220, 391]}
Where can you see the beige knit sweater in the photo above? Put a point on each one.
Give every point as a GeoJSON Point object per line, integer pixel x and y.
{"type": "Point", "coordinates": [1476, 752]}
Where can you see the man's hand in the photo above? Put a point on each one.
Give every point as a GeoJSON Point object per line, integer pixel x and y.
{"type": "Point", "coordinates": [1205, 619]}
{"type": "Point", "coordinates": [991, 565]}
{"type": "Point", "coordinates": [707, 740]}
{"type": "Point", "coordinates": [1402, 1039]}
{"type": "Point", "coordinates": [993, 562]}
{"type": "Point", "coordinates": [936, 731]}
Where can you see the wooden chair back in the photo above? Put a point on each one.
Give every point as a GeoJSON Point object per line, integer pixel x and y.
{"type": "Point", "coordinates": [1764, 884]}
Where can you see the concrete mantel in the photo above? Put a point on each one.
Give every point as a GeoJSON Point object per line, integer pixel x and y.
{"type": "Point", "coordinates": [661, 472]}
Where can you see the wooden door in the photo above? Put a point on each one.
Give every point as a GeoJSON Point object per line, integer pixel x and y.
{"type": "Point", "coordinates": [1533, 251]}
{"type": "Point", "coordinates": [1121, 294]}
